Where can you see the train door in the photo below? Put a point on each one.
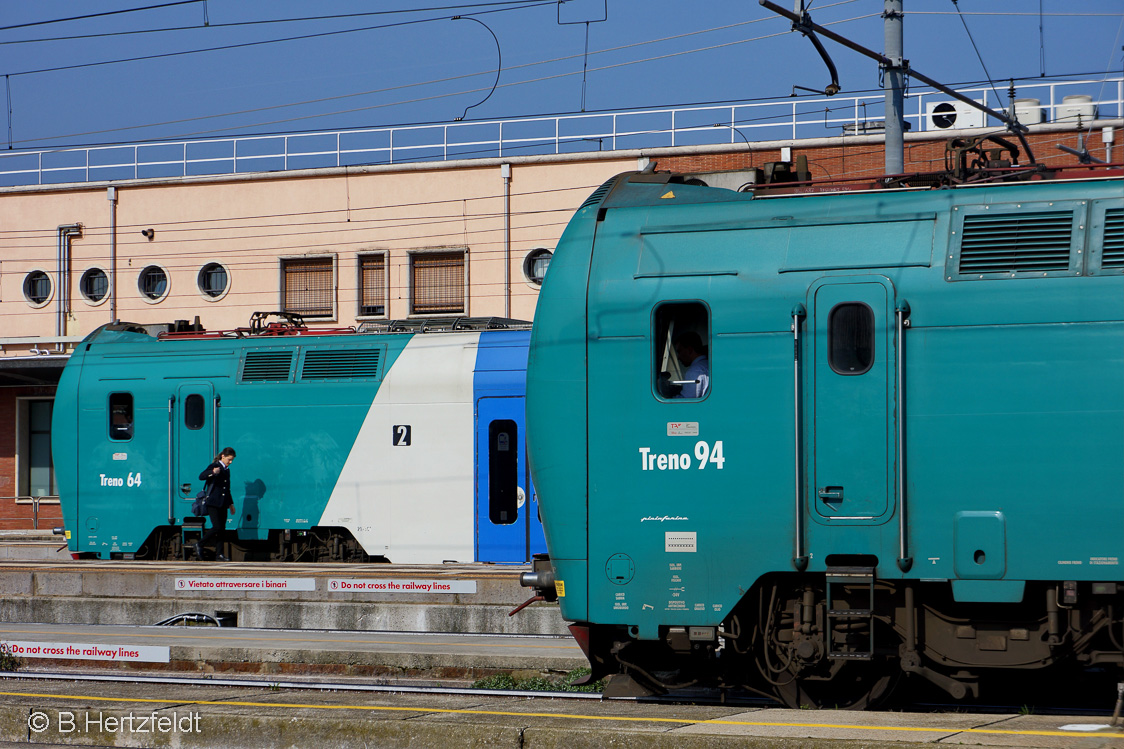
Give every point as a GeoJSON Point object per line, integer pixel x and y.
{"type": "Point", "coordinates": [852, 415]}
{"type": "Point", "coordinates": [194, 437]}
{"type": "Point", "coordinates": [508, 528]}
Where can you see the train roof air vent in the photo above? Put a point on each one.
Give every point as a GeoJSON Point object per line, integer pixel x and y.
{"type": "Point", "coordinates": [1113, 253]}
{"type": "Point", "coordinates": [336, 364]}
{"type": "Point", "coordinates": [267, 366]}
{"type": "Point", "coordinates": [1034, 241]}
{"type": "Point", "coordinates": [599, 194]}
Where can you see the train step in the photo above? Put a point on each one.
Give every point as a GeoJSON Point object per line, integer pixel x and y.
{"type": "Point", "coordinates": [850, 582]}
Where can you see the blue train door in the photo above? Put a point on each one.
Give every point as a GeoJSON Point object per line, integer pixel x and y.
{"type": "Point", "coordinates": [852, 421]}
{"type": "Point", "coordinates": [194, 440]}
{"type": "Point", "coordinates": [508, 529]}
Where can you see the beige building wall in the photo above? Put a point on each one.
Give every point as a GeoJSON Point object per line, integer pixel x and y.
{"type": "Point", "coordinates": [249, 223]}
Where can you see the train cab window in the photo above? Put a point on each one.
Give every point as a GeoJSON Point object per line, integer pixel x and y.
{"type": "Point", "coordinates": [503, 472]}
{"type": "Point", "coordinates": [682, 361]}
{"type": "Point", "coordinates": [194, 411]}
{"type": "Point", "coordinates": [851, 338]}
{"type": "Point", "coordinates": [120, 416]}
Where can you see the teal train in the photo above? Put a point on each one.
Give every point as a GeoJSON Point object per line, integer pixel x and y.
{"type": "Point", "coordinates": [902, 455]}
{"type": "Point", "coordinates": [403, 444]}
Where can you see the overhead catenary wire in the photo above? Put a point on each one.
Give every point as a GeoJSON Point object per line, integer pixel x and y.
{"type": "Point", "coordinates": [102, 14]}
{"type": "Point", "coordinates": [258, 43]}
{"type": "Point", "coordinates": [439, 81]}
{"type": "Point", "coordinates": [267, 21]}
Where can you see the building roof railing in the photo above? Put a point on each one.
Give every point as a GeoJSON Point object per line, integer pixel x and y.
{"type": "Point", "coordinates": [1057, 101]}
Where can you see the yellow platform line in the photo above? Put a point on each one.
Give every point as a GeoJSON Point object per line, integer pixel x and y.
{"type": "Point", "coordinates": [568, 716]}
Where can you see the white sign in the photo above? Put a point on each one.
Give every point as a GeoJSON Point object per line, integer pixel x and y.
{"type": "Point", "coordinates": [88, 652]}
{"type": "Point", "coordinates": [682, 429]}
{"type": "Point", "coordinates": [680, 541]}
{"type": "Point", "coordinates": [244, 583]}
{"type": "Point", "coordinates": [341, 585]}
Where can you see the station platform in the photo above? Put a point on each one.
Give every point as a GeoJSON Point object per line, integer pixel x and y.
{"type": "Point", "coordinates": [120, 714]}
{"type": "Point", "coordinates": [452, 598]}
{"type": "Point", "coordinates": [392, 656]}
{"type": "Point", "coordinates": [32, 546]}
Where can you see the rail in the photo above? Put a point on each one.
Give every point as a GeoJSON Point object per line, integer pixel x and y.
{"type": "Point", "coordinates": [789, 119]}
{"type": "Point", "coordinates": [34, 501]}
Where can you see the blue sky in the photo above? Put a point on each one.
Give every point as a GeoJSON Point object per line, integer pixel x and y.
{"type": "Point", "coordinates": [644, 54]}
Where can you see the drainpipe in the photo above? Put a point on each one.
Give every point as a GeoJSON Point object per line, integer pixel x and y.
{"type": "Point", "coordinates": [111, 195]}
{"type": "Point", "coordinates": [505, 172]}
{"type": "Point", "coordinates": [66, 233]}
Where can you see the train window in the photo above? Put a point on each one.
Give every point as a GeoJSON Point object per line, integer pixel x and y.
{"type": "Point", "coordinates": [503, 471]}
{"type": "Point", "coordinates": [120, 416]}
{"type": "Point", "coordinates": [194, 411]}
{"type": "Point", "coordinates": [682, 362]}
{"type": "Point", "coordinates": [851, 338]}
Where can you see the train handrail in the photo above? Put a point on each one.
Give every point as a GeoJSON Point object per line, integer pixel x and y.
{"type": "Point", "coordinates": [171, 462]}
{"type": "Point", "coordinates": [901, 311]}
{"type": "Point", "coordinates": [800, 559]}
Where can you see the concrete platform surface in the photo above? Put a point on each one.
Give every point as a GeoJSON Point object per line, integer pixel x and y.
{"type": "Point", "coordinates": [422, 598]}
{"type": "Point", "coordinates": [277, 651]}
{"type": "Point", "coordinates": [65, 713]}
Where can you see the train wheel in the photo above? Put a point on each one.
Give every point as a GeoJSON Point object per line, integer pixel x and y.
{"type": "Point", "coordinates": [856, 686]}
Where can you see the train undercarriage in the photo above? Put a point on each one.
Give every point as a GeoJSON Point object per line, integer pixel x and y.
{"type": "Point", "coordinates": [847, 640]}
{"type": "Point", "coordinates": [317, 544]}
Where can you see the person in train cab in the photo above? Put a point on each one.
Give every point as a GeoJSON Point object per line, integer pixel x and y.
{"type": "Point", "coordinates": [218, 502]}
{"type": "Point", "coordinates": [691, 352]}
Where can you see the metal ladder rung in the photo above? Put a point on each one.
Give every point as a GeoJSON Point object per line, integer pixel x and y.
{"type": "Point", "coordinates": [854, 577]}
{"type": "Point", "coordinates": [851, 613]}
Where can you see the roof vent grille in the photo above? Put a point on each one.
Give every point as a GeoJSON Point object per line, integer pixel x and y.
{"type": "Point", "coordinates": [267, 366]}
{"type": "Point", "coordinates": [599, 194]}
{"type": "Point", "coordinates": [1010, 243]}
{"type": "Point", "coordinates": [336, 364]}
{"type": "Point", "coordinates": [1113, 254]}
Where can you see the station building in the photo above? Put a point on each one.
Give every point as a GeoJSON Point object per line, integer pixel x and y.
{"type": "Point", "coordinates": [337, 245]}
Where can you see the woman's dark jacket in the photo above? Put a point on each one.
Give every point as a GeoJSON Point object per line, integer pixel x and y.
{"type": "Point", "coordinates": [217, 486]}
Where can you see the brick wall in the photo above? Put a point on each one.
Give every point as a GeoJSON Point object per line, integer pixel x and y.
{"type": "Point", "coordinates": [868, 159]}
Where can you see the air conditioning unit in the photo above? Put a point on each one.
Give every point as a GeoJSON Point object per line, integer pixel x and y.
{"type": "Point", "coordinates": [952, 115]}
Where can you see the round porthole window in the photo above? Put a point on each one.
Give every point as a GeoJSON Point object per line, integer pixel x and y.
{"type": "Point", "coordinates": [37, 287]}
{"type": "Point", "coordinates": [213, 280]}
{"type": "Point", "coordinates": [94, 285]}
{"type": "Point", "coordinates": [535, 265]}
{"type": "Point", "coordinates": [153, 282]}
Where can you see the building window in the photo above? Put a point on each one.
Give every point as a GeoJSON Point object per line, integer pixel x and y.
{"type": "Point", "coordinates": [307, 287]}
{"type": "Point", "coordinates": [37, 287]}
{"type": "Point", "coordinates": [153, 282]}
{"type": "Point", "coordinates": [213, 280]}
{"type": "Point", "coordinates": [535, 265]}
{"type": "Point", "coordinates": [437, 283]}
{"type": "Point", "coordinates": [120, 416]}
{"type": "Point", "coordinates": [372, 285]}
{"type": "Point", "coordinates": [41, 470]}
{"type": "Point", "coordinates": [94, 285]}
